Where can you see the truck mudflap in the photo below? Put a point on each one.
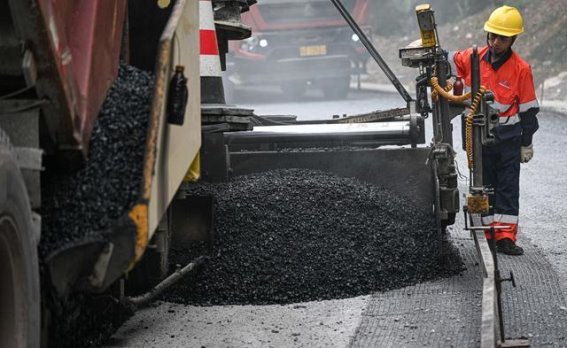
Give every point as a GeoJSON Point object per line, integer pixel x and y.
{"type": "Point", "coordinates": [93, 264]}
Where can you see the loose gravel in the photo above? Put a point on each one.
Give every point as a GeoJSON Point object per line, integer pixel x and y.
{"type": "Point", "coordinates": [284, 236]}
{"type": "Point", "coordinates": [79, 204]}
{"type": "Point", "coordinates": [82, 204]}
{"type": "Point", "coordinates": [300, 235]}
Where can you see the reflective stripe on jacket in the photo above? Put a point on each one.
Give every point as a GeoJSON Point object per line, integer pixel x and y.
{"type": "Point", "coordinates": [511, 83]}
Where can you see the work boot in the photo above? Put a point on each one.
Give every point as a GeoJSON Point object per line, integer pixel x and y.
{"type": "Point", "coordinates": [508, 247]}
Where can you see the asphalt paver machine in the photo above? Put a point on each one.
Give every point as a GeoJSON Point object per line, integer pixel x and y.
{"type": "Point", "coordinates": [388, 148]}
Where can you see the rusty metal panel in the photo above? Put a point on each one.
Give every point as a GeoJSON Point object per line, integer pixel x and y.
{"type": "Point", "coordinates": [169, 152]}
{"type": "Point", "coordinates": [76, 44]}
{"type": "Point", "coordinates": [174, 146]}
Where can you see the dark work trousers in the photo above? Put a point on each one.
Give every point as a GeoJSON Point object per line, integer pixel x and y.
{"type": "Point", "coordinates": [501, 172]}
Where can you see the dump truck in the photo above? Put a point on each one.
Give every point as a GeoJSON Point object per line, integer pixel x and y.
{"type": "Point", "coordinates": [60, 62]}
{"type": "Point", "coordinates": [63, 61]}
{"type": "Point", "coordinates": [299, 43]}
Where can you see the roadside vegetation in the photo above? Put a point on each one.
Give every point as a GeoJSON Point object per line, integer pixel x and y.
{"type": "Point", "coordinates": [460, 25]}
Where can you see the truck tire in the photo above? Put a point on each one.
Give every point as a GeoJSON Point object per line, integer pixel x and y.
{"type": "Point", "coordinates": [19, 270]}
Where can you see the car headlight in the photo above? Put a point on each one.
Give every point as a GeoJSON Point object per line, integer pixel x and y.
{"type": "Point", "coordinates": [249, 44]}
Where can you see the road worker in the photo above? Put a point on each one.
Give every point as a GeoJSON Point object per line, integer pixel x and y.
{"type": "Point", "coordinates": [510, 79]}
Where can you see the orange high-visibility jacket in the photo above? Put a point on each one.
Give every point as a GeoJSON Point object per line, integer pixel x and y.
{"type": "Point", "coordinates": [512, 84]}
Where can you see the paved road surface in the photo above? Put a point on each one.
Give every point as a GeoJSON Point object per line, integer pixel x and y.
{"type": "Point", "coordinates": [536, 310]}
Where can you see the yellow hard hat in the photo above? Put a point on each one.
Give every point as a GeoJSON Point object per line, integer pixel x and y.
{"type": "Point", "coordinates": [505, 21]}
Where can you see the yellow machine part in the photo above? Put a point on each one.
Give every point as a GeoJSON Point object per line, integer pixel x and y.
{"type": "Point", "coordinates": [426, 25]}
{"type": "Point", "coordinates": [477, 204]}
{"type": "Point", "coordinates": [139, 215]}
{"type": "Point", "coordinates": [171, 149]}
{"type": "Point", "coordinates": [194, 172]}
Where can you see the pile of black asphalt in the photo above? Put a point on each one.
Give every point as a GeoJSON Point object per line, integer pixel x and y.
{"type": "Point", "coordinates": [83, 202]}
{"type": "Point", "coordinates": [297, 235]}
{"type": "Point", "coordinates": [80, 204]}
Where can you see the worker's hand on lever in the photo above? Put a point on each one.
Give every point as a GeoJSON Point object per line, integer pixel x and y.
{"type": "Point", "coordinates": [527, 153]}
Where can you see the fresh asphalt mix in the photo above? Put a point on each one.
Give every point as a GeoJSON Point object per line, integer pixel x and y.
{"type": "Point", "coordinates": [412, 306]}
{"type": "Point", "coordinates": [442, 312]}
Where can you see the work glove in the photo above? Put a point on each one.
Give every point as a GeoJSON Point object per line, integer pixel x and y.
{"type": "Point", "coordinates": [527, 152]}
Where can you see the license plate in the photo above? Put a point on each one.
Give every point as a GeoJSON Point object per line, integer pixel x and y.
{"type": "Point", "coordinates": [318, 50]}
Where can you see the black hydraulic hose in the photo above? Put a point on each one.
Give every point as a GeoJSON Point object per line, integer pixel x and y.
{"type": "Point", "coordinates": [149, 296]}
{"type": "Point", "coordinates": [372, 50]}
{"type": "Point", "coordinates": [15, 93]}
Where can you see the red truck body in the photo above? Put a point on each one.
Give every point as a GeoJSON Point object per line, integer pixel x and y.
{"type": "Point", "coordinates": [76, 46]}
{"type": "Point", "coordinates": [296, 43]}
{"type": "Point", "coordinates": [88, 54]}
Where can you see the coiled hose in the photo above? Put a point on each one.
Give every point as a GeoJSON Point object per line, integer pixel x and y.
{"type": "Point", "coordinates": [443, 92]}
